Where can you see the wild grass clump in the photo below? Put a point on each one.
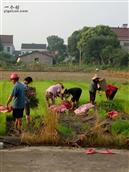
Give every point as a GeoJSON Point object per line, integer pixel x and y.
{"type": "Point", "coordinates": [105, 140]}
{"type": "Point", "coordinates": [120, 127]}
{"type": "Point", "coordinates": [65, 131]}
{"type": "Point", "coordinates": [47, 134]}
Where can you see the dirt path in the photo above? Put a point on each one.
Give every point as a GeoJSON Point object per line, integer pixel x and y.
{"type": "Point", "coordinates": [57, 159]}
{"type": "Point", "coordinates": [109, 75]}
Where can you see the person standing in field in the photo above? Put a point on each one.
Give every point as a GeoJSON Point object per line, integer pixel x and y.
{"type": "Point", "coordinates": [27, 81]}
{"type": "Point", "coordinates": [94, 86]}
{"type": "Point", "coordinates": [18, 98]}
{"type": "Point", "coordinates": [75, 93]}
{"type": "Point", "coordinates": [53, 92]}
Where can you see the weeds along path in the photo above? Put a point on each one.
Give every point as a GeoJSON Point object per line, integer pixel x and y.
{"type": "Point", "coordinates": [109, 75]}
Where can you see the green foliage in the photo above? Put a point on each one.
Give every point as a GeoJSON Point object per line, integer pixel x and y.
{"type": "Point", "coordinates": [64, 130]}
{"type": "Point", "coordinates": [97, 46]}
{"type": "Point", "coordinates": [56, 45]}
{"type": "Point", "coordinates": [111, 105]}
{"type": "Point", "coordinates": [2, 124]}
{"type": "Point", "coordinates": [85, 127]}
{"type": "Point", "coordinates": [34, 102]}
{"type": "Point", "coordinates": [120, 127]}
{"type": "Point", "coordinates": [7, 60]}
{"type": "Point", "coordinates": [93, 42]}
{"type": "Point", "coordinates": [72, 45]}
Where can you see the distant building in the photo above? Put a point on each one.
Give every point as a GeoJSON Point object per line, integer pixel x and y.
{"type": "Point", "coordinates": [123, 36]}
{"type": "Point", "coordinates": [28, 48]}
{"type": "Point", "coordinates": [36, 57]}
{"type": "Point", "coordinates": [7, 43]}
{"type": "Point", "coordinates": [17, 53]}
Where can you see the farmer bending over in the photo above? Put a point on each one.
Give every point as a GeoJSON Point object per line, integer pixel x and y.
{"type": "Point", "coordinates": [75, 93]}
{"type": "Point", "coordinates": [94, 86]}
{"type": "Point", "coordinates": [18, 97]}
{"type": "Point", "coordinates": [52, 92]}
{"type": "Point", "coordinates": [27, 81]}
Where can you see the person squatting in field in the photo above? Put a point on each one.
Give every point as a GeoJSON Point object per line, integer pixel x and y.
{"type": "Point", "coordinates": [94, 86]}
{"type": "Point", "coordinates": [18, 98]}
{"type": "Point", "coordinates": [75, 93]}
{"type": "Point", "coordinates": [53, 92]}
{"type": "Point", "coordinates": [27, 81]}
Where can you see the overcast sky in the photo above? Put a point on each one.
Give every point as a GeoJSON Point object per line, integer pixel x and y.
{"type": "Point", "coordinates": [59, 18]}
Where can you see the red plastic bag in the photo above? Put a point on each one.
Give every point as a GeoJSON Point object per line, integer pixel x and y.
{"type": "Point", "coordinates": [4, 109]}
{"type": "Point", "coordinates": [112, 114]}
{"type": "Point", "coordinates": [111, 91]}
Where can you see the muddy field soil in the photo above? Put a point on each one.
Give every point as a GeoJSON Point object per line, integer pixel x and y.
{"type": "Point", "coordinates": [58, 159]}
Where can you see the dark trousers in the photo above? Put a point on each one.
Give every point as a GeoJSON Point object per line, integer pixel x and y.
{"type": "Point", "coordinates": [92, 97]}
{"type": "Point", "coordinates": [27, 109]}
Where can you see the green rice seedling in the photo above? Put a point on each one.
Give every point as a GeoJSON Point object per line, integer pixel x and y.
{"type": "Point", "coordinates": [64, 131]}
{"type": "Point", "coordinates": [120, 127]}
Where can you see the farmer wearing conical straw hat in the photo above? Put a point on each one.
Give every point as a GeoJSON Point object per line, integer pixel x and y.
{"type": "Point", "coordinates": [94, 86]}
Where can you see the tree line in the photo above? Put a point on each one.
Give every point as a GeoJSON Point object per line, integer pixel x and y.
{"type": "Point", "coordinates": [91, 45]}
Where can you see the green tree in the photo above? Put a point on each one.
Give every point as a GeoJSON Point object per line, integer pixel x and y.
{"type": "Point", "coordinates": [93, 41]}
{"type": "Point", "coordinates": [57, 46]}
{"type": "Point", "coordinates": [73, 40]}
{"type": "Point", "coordinates": [72, 45]}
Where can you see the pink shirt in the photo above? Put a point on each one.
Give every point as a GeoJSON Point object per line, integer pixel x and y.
{"type": "Point", "coordinates": [54, 89]}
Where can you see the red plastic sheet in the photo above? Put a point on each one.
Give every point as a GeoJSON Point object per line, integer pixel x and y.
{"type": "Point", "coordinates": [64, 106]}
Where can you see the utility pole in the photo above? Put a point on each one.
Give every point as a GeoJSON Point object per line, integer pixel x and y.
{"type": "Point", "coordinates": [80, 58]}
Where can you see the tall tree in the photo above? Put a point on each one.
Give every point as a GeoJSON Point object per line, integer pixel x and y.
{"type": "Point", "coordinates": [72, 45]}
{"type": "Point", "coordinates": [57, 46]}
{"type": "Point", "coordinates": [73, 40]}
{"type": "Point", "coordinates": [94, 40]}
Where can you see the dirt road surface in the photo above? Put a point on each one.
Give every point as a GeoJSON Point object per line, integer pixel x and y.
{"type": "Point", "coordinates": [57, 159]}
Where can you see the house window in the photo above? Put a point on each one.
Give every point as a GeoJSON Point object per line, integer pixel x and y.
{"type": "Point", "coordinates": [8, 49]}
{"type": "Point", "coordinates": [126, 44]}
{"type": "Point", "coordinates": [36, 60]}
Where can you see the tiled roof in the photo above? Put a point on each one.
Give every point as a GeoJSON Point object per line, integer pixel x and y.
{"type": "Point", "coordinates": [6, 39]}
{"type": "Point", "coordinates": [33, 46]}
{"type": "Point", "coordinates": [43, 53]}
{"type": "Point", "coordinates": [122, 33]}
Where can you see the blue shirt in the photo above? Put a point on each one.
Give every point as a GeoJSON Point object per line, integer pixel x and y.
{"type": "Point", "coordinates": [19, 96]}
{"type": "Point", "coordinates": [26, 88]}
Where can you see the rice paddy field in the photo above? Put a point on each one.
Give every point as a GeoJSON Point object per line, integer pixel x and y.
{"type": "Point", "coordinates": [120, 103]}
